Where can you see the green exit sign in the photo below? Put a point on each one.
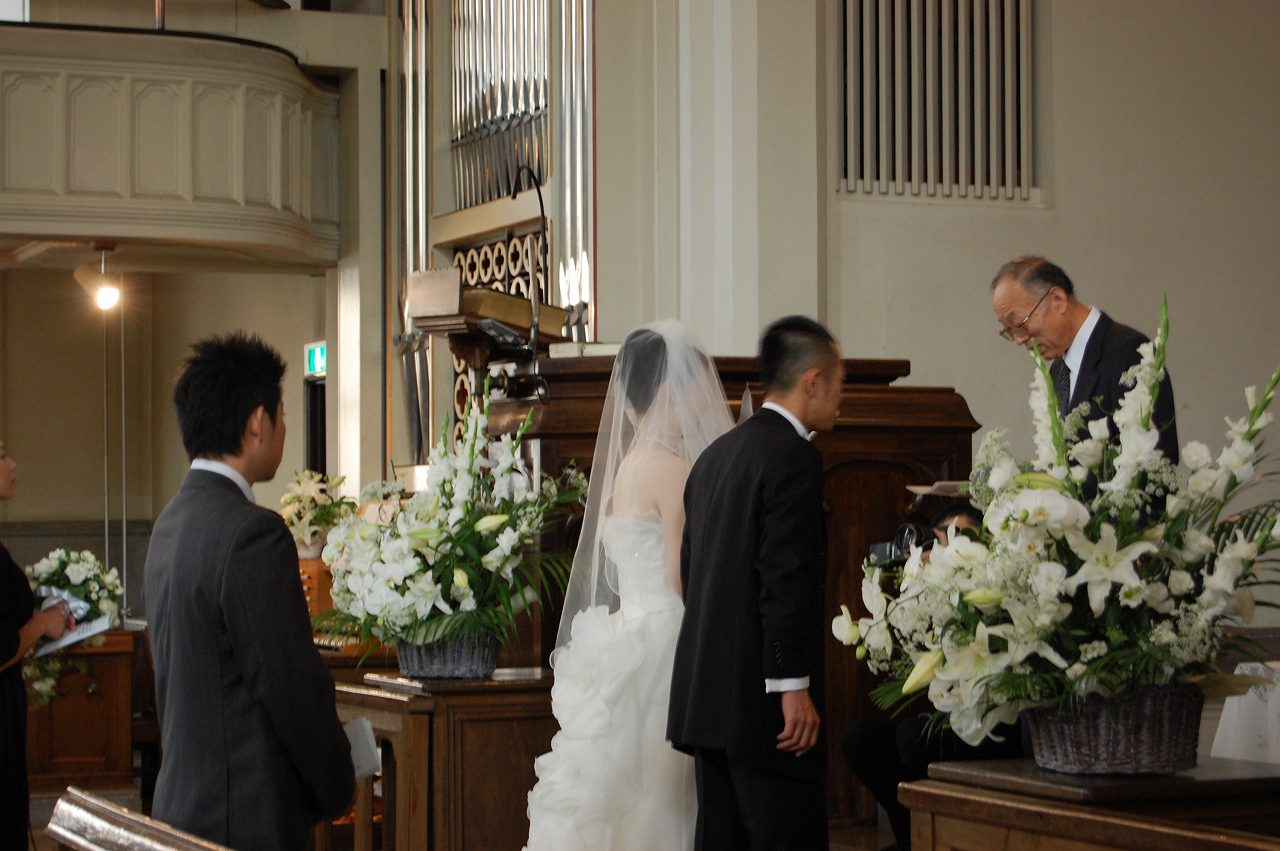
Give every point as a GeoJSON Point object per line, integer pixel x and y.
{"type": "Point", "coordinates": [317, 358]}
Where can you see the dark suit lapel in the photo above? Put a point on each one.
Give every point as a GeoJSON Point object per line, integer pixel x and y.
{"type": "Point", "coordinates": [1087, 380]}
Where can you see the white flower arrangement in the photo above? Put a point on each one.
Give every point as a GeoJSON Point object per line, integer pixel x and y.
{"type": "Point", "coordinates": [1100, 566]}
{"type": "Point", "coordinates": [311, 506]}
{"type": "Point", "coordinates": [95, 591]}
{"type": "Point", "coordinates": [454, 559]}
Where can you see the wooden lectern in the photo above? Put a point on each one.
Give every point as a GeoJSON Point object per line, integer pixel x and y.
{"type": "Point", "coordinates": [885, 438]}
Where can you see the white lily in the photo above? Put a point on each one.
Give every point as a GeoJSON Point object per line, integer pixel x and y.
{"type": "Point", "coordinates": [1104, 564]}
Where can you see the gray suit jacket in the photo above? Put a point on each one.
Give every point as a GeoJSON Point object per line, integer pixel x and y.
{"type": "Point", "coordinates": [253, 752]}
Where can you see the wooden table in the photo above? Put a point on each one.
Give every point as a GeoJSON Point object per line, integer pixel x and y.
{"type": "Point", "coordinates": [1014, 804]}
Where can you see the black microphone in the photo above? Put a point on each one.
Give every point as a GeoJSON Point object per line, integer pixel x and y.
{"type": "Point", "coordinates": [543, 258]}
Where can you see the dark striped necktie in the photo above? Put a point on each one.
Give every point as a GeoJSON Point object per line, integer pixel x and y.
{"type": "Point", "coordinates": [1062, 386]}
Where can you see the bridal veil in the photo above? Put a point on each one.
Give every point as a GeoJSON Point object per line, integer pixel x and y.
{"type": "Point", "coordinates": [664, 389]}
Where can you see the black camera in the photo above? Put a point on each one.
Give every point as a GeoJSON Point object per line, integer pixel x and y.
{"type": "Point", "coordinates": [896, 552]}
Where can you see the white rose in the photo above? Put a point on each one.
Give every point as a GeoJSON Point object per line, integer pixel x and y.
{"type": "Point", "coordinates": [1157, 597]}
{"type": "Point", "coordinates": [77, 572]}
{"type": "Point", "coordinates": [1087, 453]}
{"type": "Point", "coordinates": [1181, 583]}
{"type": "Point", "coordinates": [1196, 455]}
{"type": "Point", "coordinates": [1099, 429]}
{"type": "Point", "coordinates": [1207, 481]}
{"type": "Point", "coordinates": [1002, 474]}
{"type": "Point", "coordinates": [1092, 650]}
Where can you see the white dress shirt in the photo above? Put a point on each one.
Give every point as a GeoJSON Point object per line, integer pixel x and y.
{"type": "Point", "coordinates": [1075, 355]}
{"type": "Point", "coordinates": [211, 466]}
{"type": "Point", "coordinates": [788, 683]}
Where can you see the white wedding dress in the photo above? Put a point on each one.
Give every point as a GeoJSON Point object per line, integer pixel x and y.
{"type": "Point", "coordinates": [611, 780]}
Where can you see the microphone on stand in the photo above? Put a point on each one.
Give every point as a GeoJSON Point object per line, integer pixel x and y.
{"type": "Point", "coordinates": [534, 385]}
{"type": "Point", "coordinates": [542, 259]}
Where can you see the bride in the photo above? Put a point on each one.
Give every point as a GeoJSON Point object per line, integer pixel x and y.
{"type": "Point", "coordinates": [611, 780]}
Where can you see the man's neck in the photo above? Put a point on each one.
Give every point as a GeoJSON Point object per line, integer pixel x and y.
{"type": "Point", "coordinates": [239, 463]}
{"type": "Point", "coordinates": [1077, 313]}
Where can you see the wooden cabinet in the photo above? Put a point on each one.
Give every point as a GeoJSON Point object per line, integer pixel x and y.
{"type": "Point", "coordinates": [317, 583]}
{"type": "Point", "coordinates": [82, 736]}
{"type": "Point", "coordinates": [457, 756]}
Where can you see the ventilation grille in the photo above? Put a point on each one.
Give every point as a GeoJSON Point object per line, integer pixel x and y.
{"type": "Point", "coordinates": [938, 99]}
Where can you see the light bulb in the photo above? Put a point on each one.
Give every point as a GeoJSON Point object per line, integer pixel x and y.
{"type": "Point", "coordinates": [107, 297]}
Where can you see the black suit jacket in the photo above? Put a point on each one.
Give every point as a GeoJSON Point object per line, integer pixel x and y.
{"type": "Point", "coordinates": [253, 752]}
{"type": "Point", "coordinates": [1112, 349]}
{"type": "Point", "coordinates": [752, 568]}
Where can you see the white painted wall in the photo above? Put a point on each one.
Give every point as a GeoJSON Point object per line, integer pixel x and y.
{"type": "Point", "coordinates": [708, 161]}
{"type": "Point", "coordinates": [1158, 136]}
{"type": "Point", "coordinates": [51, 378]}
{"type": "Point", "coordinates": [1156, 145]}
{"type": "Point", "coordinates": [286, 311]}
{"type": "Point", "coordinates": [1157, 120]}
{"type": "Point", "coordinates": [51, 393]}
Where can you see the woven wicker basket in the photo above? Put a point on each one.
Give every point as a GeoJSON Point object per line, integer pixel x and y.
{"type": "Point", "coordinates": [1148, 730]}
{"type": "Point", "coordinates": [467, 658]}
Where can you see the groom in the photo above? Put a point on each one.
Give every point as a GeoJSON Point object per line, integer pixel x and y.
{"type": "Point", "coordinates": [748, 666]}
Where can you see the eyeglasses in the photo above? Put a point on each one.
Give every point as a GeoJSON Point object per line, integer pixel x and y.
{"type": "Point", "coordinates": [1010, 332]}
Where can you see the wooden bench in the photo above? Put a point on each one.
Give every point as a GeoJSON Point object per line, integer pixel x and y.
{"type": "Point", "coordinates": [85, 822]}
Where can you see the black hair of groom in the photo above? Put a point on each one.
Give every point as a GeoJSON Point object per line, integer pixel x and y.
{"type": "Point", "coordinates": [220, 386]}
{"type": "Point", "coordinates": [790, 346]}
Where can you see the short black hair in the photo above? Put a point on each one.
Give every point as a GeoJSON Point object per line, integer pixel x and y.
{"type": "Point", "coordinates": [642, 364]}
{"type": "Point", "coordinates": [1036, 274]}
{"type": "Point", "coordinates": [955, 510]}
{"type": "Point", "coordinates": [790, 346]}
{"type": "Point", "coordinates": [220, 386]}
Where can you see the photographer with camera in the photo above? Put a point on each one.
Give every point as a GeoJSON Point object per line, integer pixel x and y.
{"type": "Point", "coordinates": [882, 753]}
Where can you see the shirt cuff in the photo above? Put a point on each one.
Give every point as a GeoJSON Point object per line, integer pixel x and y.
{"type": "Point", "coordinates": [788, 684]}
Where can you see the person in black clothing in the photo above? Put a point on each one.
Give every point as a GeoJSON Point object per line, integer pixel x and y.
{"type": "Point", "coordinates": [20, 629]}
{"type": "Point", "coordinates": [882, 753]}
{"type": "Point", "coordinates": [1035, 302]}
{"type": "Point", "coordinates": [747, 680]}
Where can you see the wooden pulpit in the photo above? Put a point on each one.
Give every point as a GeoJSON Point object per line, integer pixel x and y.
{"type": "Point", "coordinates": [886, 437]}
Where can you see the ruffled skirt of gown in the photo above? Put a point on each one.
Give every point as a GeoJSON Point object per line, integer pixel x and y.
{"type": "Point", "coordinates": [611, 780]}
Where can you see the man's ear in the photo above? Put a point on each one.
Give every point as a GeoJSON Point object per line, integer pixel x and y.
{"type": "Point", "coordinates": [1057, 299]}
{"type": "Point", "coordinates": [253, 428]}
{"type": "Point", "coordinates": [810, 380]}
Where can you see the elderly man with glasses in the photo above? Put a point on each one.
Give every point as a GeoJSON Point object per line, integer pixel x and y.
{"type": "Point", "coordinates": [1035, 300]}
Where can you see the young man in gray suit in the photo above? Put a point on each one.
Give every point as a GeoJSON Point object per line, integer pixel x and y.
{"type": "Point", "coordinates": [747, 679]}
{"type": "Point", "coordinates": [253, 752]}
